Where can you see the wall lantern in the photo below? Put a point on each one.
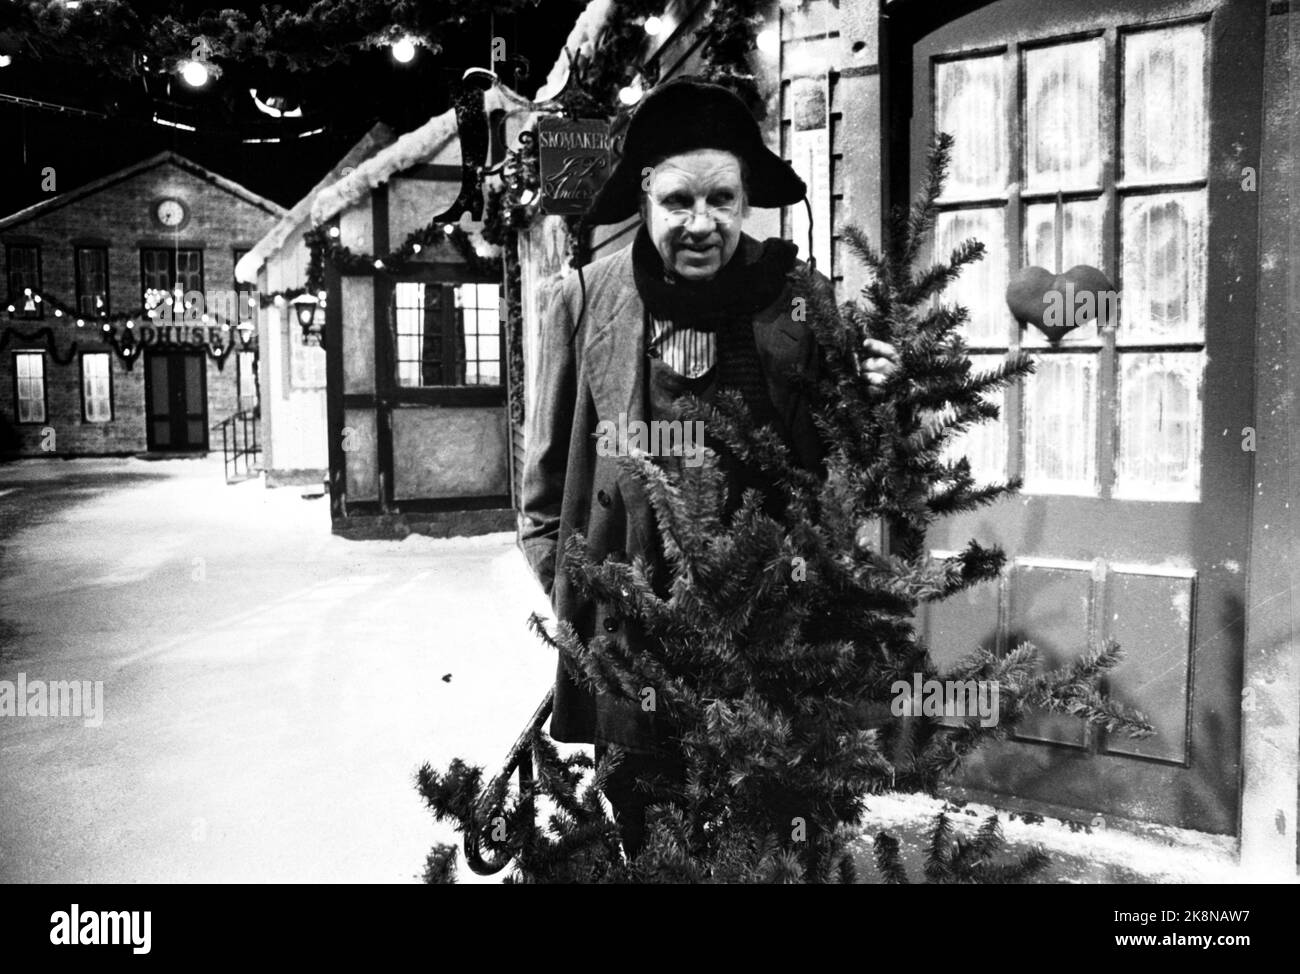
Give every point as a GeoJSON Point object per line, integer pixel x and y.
{"type": "Point", "coordinates": [305, 307]}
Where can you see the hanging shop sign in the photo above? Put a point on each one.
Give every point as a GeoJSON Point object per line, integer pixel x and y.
{"type": "Point", "coordinates": [574, 159]}
{"type": "Point", "coordinates": [192, 336]}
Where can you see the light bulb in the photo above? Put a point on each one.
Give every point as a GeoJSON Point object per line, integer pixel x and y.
{"type": "Point", "coordinates": [195, 74]}
{"type": "Point", "coordinates": [653, 25]}
{"type": "Point", "coordinates": [630, 94]}
{"type": "Point", "coordinates": [768, 41]}
{"type": "Point", "coordinates": [403, 50]}
{"type": "Point", "coordinates": [5, 60]}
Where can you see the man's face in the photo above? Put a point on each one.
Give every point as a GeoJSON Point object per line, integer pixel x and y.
{"type": "Point", "coordinates": [694, 206]}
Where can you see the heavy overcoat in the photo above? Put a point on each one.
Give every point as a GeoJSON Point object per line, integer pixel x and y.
{"type": "Point", "coordinates": [592, 367]}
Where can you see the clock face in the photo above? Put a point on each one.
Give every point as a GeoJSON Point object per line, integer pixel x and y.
{"type": "Point", "coordinates": [170, 213]}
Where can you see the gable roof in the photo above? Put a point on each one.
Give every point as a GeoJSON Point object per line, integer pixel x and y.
{"type": "Point", "coordinates": [437, 139]}
{"type": "Point", "coordinates": [379, 136]}
{"type": "Point", "coordinates": [166, 157]}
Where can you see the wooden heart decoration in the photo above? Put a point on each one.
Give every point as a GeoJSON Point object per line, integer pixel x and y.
{"type": "Point", "coordinates": [1027, 294]}
{"type": "Point", "coordinates": [1056, 304]}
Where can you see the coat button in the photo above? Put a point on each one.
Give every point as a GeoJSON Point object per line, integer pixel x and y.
{"type": "Point", "coordinates": [611, 624]}
{"type": "Point", "coordinates": [603, 497]}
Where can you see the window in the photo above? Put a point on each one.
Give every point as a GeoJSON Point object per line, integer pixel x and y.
{"type": "Point", "coordinates": [29, 380]}
{"type": "Point", "coordinates": [447, 335]}
{"type": "Point", "coordinates": [165, 271]}
{"type": "Point", "coordinates": [24, 268]}
{"type": "Point", "coordinates": [306, 358]}
{"type": "Point", "coordinates": [247, 379]}
{"type": "Point", "coordinates": [92, 281]}
{"type": "Point", "coordinates": [96, 387]}
{"type": "Point", "coordinates": [1042, 163]}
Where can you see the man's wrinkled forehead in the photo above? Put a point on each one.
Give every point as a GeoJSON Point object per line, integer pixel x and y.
{"type": "Point", "coordinates": [705, 170]}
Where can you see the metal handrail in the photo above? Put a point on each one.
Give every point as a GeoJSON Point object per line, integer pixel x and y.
{"type": "Point", "coordinates": [520, 759]}
{"type": "Point", "coordinates": [232, 453]}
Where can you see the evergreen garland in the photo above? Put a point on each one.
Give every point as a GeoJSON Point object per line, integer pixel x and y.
{"type": "Point", "coordinates": [113, 33]}
{"type": "Point", "coordinates": [779, 634]}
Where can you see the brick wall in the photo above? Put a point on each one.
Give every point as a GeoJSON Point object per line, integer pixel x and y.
{"type": "Point", "coordinates": [120, 217]}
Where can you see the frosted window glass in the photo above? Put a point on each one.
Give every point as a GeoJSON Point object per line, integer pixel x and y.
{"type": "Point", "coordinates": [1080, 237]}
{"type": "Point", "coordinates": [1163, 277]}
{"type": "Point", "coordinates": [1164, 105]}
{"type": "Point", "coordinates": [971, 107]}
{"type": "Point", "coordinates": [1080, 244]}
{"type": "Point", "coordinates": [1060, 425]}
{"type": "Point", "coordinates": [95, 387]}
{"type": "Point", "coordinates": [981, 285]}
{"type": "Point", "coordinates": [1062, 121]}
{"type": "Point", "coordinates": [1160, 425]}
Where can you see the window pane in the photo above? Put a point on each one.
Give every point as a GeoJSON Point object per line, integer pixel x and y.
{"type": "Point", "coordinates": [989, 320]}
{"type": "Point", "coordinates": [30, 369]}
{"type": "Point", "coordinates": [1164, 104]}
{"type": "Point", "coordinates": [970, 106]}
{"type": "Point", "coordinates": [1080, 244]}
{"type": "Point", "coordinates": [1062, 116]}
{"type": "Point", "coordinates": [24, 275]}
{"type": "Point", "coordinates": [95, 387]}
{"type": "Point", "coordinates": [1163, 268]}
{"type": "Point", "coordinates": [92, 280]}
{"type": "Point", "coordinates": [410, 332]}
{"type": "Point", "coordinates": [1060, 425]}
{"type": "Point", "coordinates": [1160, 425]}
{"type": "Point", "coordinates": [984, 445]}
{"type": "Point", "coordinates": [189, 270]}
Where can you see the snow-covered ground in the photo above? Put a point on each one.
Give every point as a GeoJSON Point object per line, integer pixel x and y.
{"type": "Point", "coordinates": [269, 689]}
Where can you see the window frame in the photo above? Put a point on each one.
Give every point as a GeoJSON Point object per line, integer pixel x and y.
{"type": "Point", "coordinates": [81, 369]}
{"type": "Point", "coordinates": [77, 251]}
{"type": "Point", "coordinates": [171, 253]}
{"type": "Point", "coordinates": [45, 389]}
{"type": "Point", "coordinates": [16, 298]}
{"type": "Point", "coordinates": [441, 395]}
{"type": "Point", "coordinates": [1114, 188]}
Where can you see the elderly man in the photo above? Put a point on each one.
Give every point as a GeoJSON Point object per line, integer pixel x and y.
{"type": "Point", "coordinates": [692, 305]}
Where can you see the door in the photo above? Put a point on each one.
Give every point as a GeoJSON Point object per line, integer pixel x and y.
{"type": "Point", "coordinates": [1112, 135]}
{"type": "Point", "coordinates": [177, 401]}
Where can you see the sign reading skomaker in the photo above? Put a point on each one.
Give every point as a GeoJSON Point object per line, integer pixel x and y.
{"type": "Point", "coordinates": [573, 161]}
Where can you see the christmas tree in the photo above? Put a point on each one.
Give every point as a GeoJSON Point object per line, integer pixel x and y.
{"type": "Point", "coordinates": [783, 627]}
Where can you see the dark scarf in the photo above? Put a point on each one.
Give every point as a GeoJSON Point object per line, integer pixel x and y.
{"type": "Point", "coordinates": [724, 305]}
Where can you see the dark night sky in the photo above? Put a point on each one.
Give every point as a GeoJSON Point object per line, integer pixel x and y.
{"type": "Point", "coordinates": [346, 98]}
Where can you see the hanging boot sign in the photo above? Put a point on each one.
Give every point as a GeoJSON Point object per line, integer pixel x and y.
{"type": "Point", "coordinates": [574, 159]}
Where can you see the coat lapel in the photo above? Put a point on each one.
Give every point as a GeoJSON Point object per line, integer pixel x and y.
{"type": "Point", "coordinates": [613, 353]}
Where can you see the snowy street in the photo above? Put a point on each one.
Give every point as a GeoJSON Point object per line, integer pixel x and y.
{"type": "Point", "coordinates": [269, 690]}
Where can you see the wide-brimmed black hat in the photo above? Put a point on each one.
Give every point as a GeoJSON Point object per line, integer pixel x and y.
{"type": "Point", "coordinates": [686, 114]}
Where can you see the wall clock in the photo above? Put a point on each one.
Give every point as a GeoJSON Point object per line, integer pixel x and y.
{"type": "Point", "coordinates": [170, 213]}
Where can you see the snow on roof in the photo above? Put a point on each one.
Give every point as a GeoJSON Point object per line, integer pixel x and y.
{"type": "Point", "coordinates": [380, 135]}
{"type": "Point", "coordinates": [434, 141]}
{"type": "Point", "coordinates": [161, 158]}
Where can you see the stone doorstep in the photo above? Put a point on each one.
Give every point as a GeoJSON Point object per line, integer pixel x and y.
{"type": "Point", "coordinates": [443, 524]}
{"type": "Point", "coordinates": [1118, 851]}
